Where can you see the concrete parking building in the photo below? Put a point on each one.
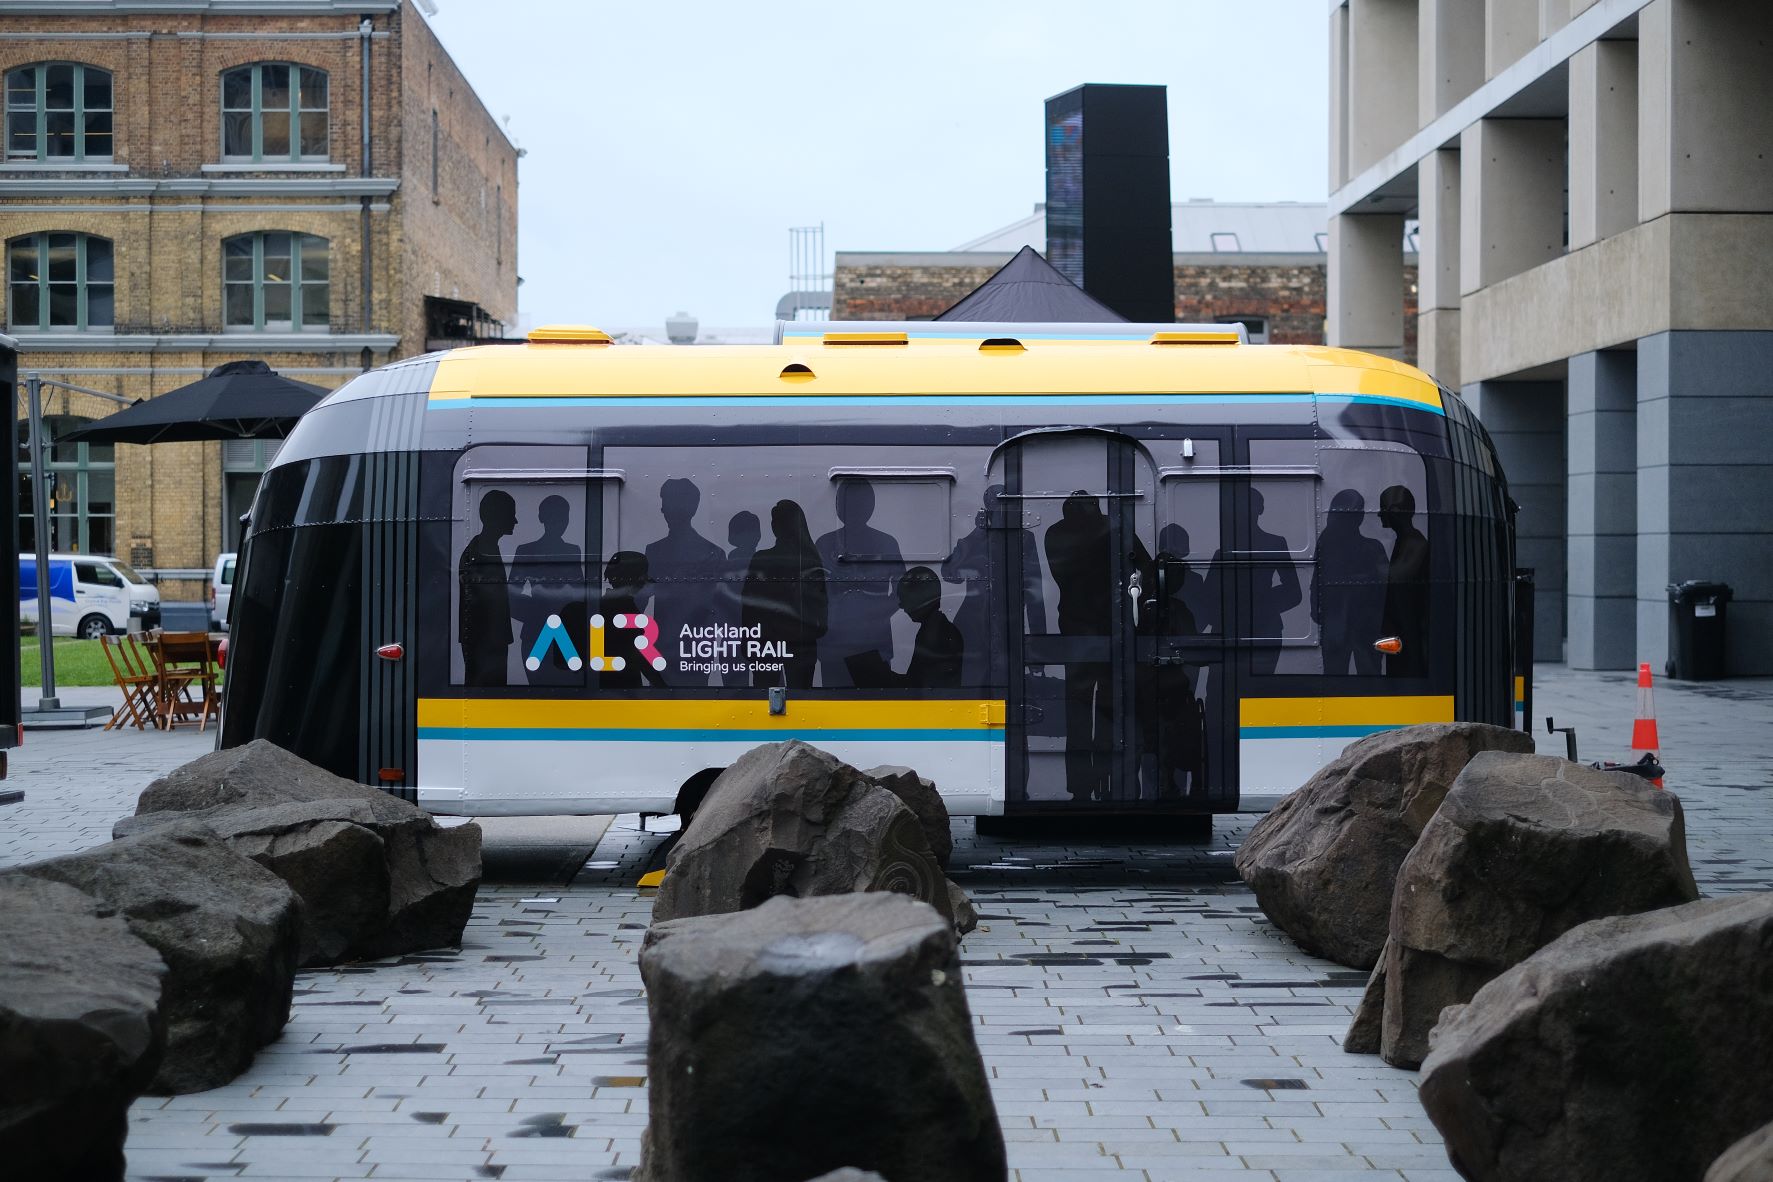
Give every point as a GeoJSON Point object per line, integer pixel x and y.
{"type": "Point", "coordinates": [188, 182]}
{"type": "Point", "coordinates": [1594, 183]}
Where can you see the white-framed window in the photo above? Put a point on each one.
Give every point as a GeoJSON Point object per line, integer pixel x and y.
{"type": "Point", "coordinates": [1255, 326]}
{"type": "Point", "coordinates": [58, 111]}
{"type": "Point", "coordinates": [276, 281]}
{"type": "Point", "coordinates": [274, 112]}
{"type": "Point", "coordinates": [60, 281]}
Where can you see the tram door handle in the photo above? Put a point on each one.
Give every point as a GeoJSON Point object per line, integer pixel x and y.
{"type": "Point", "coordinates": [1134, 592]}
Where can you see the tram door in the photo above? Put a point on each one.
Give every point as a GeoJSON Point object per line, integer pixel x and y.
{"type": "Point", "coordinates": [1079, 514]}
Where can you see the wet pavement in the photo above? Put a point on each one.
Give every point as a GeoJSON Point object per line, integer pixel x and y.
{"type": "Point", "coordinates": [1139, 1018]}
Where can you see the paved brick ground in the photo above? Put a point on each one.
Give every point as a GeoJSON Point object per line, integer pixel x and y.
{"type": "Point", "coordinates": [1139, 1017]}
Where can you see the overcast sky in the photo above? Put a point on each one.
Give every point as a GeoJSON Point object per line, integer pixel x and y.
{"type": "Point", "coordinates": [672, 144]}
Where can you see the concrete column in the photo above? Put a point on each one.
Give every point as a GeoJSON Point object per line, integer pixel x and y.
{"type": "Point", "coordinates": [1511, 193]}
{"type": "Point", "coordinates": [1437, 325]}
{"type": "Point", "coordinates": [1603, 141]}
{"type": "Point", "coordinates": [1526, 421]}
{"type": "Point", "coordinates": [1705, 481]}
{"type": "Point", "coordinates": [1602, 513]}
{"type": "Point", "coordinates": [1451, 62]}
{"type": "Point", "coordinates": [1553, 15]}
{"type": "Point", "coordinates": [1511, 27]}
{"type": "Point", "coordinates": [1366, 282]}
{"type": "Point", "coordinates": [1338, 97]}
{"type": "Point", "coordinates": [1382, 98]}
{"type": "Point", "coordinates": [1705, 108]}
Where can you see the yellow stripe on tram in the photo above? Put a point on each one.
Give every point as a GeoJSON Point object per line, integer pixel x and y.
{"type": "Point", "coordinates": [1274, 718]}
{"type": "Point", "coordinates": [708, 719]}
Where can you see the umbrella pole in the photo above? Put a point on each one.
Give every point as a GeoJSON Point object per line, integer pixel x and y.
{"type": "Point", "coordinates": [47, 699]}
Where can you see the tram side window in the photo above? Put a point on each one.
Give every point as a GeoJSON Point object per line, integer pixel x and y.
{"type": "Point", "coordinates": [1274, 553]}
{"type": "Point", "coordinates": [1189, 545]}
{"type": "Point", "coordinates": [800, 565]}
{"type": "Point", "coordinates": [1372, 560]}
{"type": "Point", "coordinates": [528, 536]}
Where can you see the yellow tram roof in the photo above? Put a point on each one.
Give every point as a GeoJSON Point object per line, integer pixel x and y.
{"type": "Point", "coordinates": [581, 363]}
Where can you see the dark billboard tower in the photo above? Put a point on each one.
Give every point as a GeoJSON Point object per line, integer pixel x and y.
{"type": "Point", "coordinates": [1108, 197]}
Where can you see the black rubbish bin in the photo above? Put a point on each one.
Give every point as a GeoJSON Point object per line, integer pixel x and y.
{"type": "Point", "coordinates": [1696, 614]}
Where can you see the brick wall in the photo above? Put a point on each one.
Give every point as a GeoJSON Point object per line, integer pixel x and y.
{"type": "Point", "coordinates": [167, 240]}
{"type": "Point", "coordinates": [1289, 293]}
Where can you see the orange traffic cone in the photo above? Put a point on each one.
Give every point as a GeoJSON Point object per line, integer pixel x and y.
{"type": "Point", "coordinates": [1643, 729]}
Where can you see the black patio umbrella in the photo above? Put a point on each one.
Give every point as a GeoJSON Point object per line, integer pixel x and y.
{"type": "Point", "coordinates": [239, 400]}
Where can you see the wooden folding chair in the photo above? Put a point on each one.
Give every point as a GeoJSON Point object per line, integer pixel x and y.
{"type": "Point", "coordinates": [186, 661]}
{"type": "Point", "coordinates": [137, 685]}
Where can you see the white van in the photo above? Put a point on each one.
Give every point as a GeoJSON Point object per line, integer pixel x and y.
{"type": "Point", "coordinates": [90, 594]}
{"type": "Point", "coordinates": [221, 591]}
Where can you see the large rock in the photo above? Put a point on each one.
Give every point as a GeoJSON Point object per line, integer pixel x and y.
{"type": "Point", "coordinates": [1749, 1160]}
{"type": "Point", "coordinates": [1523, 849]}
{"type": "Point", "coordinates": [808, 1035]}
{"type": "Point", "coordinates": [1637, 1046]}
{"type": "Point", "coordinates": [326, 850]}
{"type": "Point", "coordinates": [921, 797]}
{"type": "Point", "coordinates": [790, 819]}
{"type": "Point", "coordinates": [227, 929]}
{"type": "Point", "coordinates": [431, 873]}
{"type": "Point", "coordinates": [80, 1031]}
{"type": "Point", "coordinates": [1323, 863]}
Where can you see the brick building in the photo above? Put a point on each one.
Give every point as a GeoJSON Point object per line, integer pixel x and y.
{"type": "Point", "coordinates": [188, 182]}
{"type": "Point", "coordinates": [1262, 264]}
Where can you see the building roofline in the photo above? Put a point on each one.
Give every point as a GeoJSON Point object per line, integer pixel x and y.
{"type": "Point", "coordinates": [99, 8]}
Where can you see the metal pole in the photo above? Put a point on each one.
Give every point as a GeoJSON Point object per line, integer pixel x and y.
{"type": "Point", "coordinates": [46, 699]}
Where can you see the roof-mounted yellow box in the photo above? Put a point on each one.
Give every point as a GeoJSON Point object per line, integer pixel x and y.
{"type": "Point", "coordinates": [867, 338]}
{"type": "Point", "coordinates": [1196, 338]}
{"type": "Point", "coordinates": [568, 334]}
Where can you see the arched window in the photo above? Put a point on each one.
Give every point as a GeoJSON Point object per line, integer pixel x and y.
{"type": "Point", "coordinates": [82, 480]}
{"type": "Point", "coordinates": [274, 111]}
{"type": "Point", "coordinates": [276, 281]}
{"type": "Point", "coordinates": [61, 281]}
{"type": "Point", "coordinates": [58, 111]}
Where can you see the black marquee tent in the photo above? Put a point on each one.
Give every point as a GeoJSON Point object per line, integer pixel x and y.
{"type": "Point", "coordinates": [1029, 291]}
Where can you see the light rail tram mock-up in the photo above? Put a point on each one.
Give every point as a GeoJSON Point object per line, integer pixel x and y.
{"type": "Point", "coordinates": [1054, 568]}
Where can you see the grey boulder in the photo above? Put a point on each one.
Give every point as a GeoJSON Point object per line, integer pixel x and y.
{"type": "Point", "coordinates": [1749, 1160]}
{"type": "Point", "coordinates": [1524, 848]}
{"type": "Point", "coordinates": [80, 1031]}
{"type": "Point", "coordinates": [790, 819]}
{"type": "Point", "coordinates": [1323, 863]}
{"type": "Point", "coordinates": [326, 850]}
{"type": "Point", "coordinates": [431, 871]}
{"type": "Point", "coordinates": [227, 930]}
{"type": "Point", "coordinates": [807, 1035]}
{"type": "Point", "coordinates": [1635, 1046]}
{"type": "Point", "coordinates": [921, 797]}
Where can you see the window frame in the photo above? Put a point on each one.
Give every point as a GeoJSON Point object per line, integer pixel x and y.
{"type": "Point", "coordinates": [256, 110]}
{"type": "Point", "coordinates": [295, 282]}
{"type": "Point", "coordinates": [82, 285]}
{"type": "Point", "coordinates": [40, 154]}
{"type": "Point", "coordinates": [89, 459]}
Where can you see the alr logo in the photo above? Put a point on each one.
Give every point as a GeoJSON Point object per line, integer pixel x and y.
{"type": "Point", "coordinates": [555, 635]}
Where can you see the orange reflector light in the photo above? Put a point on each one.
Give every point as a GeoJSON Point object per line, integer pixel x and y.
{"type": "Point", "coordinates": [221, 654]}
{"type": "Point", "coordinates": [392, 775]}
{"type": "Point", "coordinates": [1390, 644]}
{"type": "Point", "coordinates": [390, 652]}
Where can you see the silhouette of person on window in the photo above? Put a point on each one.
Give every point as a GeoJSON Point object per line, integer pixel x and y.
{"type": "Point", "coordinates": [1406, 585]}
{"type": "Point", "coordinates": [939, 650]}
{"type": "Point", "coordinates": [784, 594]}
{"type": "Point", "coordinates": [981, 563]}
{"type": "Point", "coordinates": [743, 532]}
{"type": "Point", "coordinates": [1274, 589]}
{"type": "Point", "coordinates": [1350, 588]}
{"type": "Point", "coordinates": [1182, 723]}
{"type": "Point", "coordinates": [1078, 555]}
{"type": "Point", "coordinates": [684, 567]}
{"type": "Point", "coordinates": [548, 574]}
{"type": "Point", "coordinates": [483, 621]}
{"type": "Point", "coordinates": [626, 574]}
{"type": "Point", "coordinates": [862, 564]}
